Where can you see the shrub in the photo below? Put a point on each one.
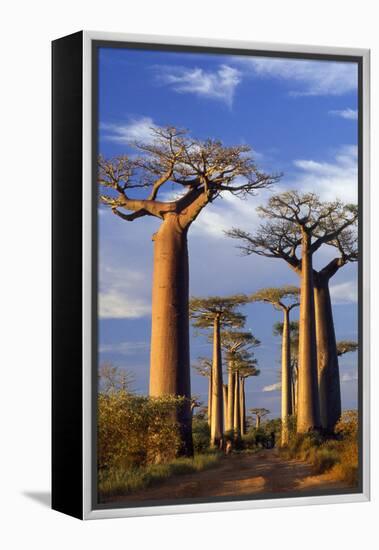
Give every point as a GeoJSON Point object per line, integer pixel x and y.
{"type": "Point", "coordinates": [117, 481]}
{"type": "Point", "coordinates": [200, 434]}
{"type": "Point", "coordinates": [135, 430]}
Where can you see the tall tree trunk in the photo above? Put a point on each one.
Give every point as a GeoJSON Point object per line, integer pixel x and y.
{"type": "Point", "coordinates": [230, 410]}
{"type": "Point", "coordinates": [209, 398]}
{"type": "Point", "coordinates": [327, 358]}
{"type": "Point", "coordinates": [286, 377]}
{"type": "Point", "coordinates": [308, 415]}
{"type": "Point", "coordinates": [225, 402]}
{"type": "Point", "coordinates": [242, 406]}
{"type": "Point", "coordinates": [236, 411]}
{"type": "Point", "coordinates": [169, 356]}
{"type": "Point", "coordinates": [217, 405]}
{"type": "Point", "coordinates": [258, 422]}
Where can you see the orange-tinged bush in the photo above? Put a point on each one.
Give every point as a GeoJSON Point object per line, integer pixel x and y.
{"type": "Point", "coordinates": [136, 430]}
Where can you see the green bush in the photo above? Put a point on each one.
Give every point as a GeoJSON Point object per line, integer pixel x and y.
{"type": "Point", "coordinates": [135, 430]}
{"type": "Point", "coordinates": [200, 435]}
{"type": "Point", "coordinates": [119, 482]}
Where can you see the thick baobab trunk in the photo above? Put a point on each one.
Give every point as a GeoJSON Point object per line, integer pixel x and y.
{"type": "Point", "coordinates": [286, 377]}
{"type": "Point", "coordinates": [327, 358]}
{"type": "Point", "coordinates": [258, 422]}
{"type": "Point", "coordinates": [209, 398]}
{"type": "Point", "coordinates": [308, 409]}
{"type": "Point", "coordinates": [225, 402]}
{"type": "Point", "coordinates": [169, 360]}
{"type": "Point", "coordinates": [217, 405]}
{"type": "Point", "coordinates": [230, 409]}
{"type": "Point", "coordinates": [236, 412]}
{"type": "Point", "coordinates": [242, 406]}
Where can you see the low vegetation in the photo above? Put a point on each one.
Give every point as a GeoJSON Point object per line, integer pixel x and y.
{"type": "Point", "coordinates": [337, 455]}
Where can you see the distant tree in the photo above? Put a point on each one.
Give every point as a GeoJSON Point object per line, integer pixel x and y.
{"type": "Point", "coordinates": [296, 221]}
{"type": "Point", "coordinates": [204, 368]}
{"type": "Point", "coordinates": [112, 379]}
{"type": "Point", "coordinates": [246, 367]}
{"type": "Point", "coordinates": [259, 414]}
{"type": "Point", "coordinates": [202, 171]}
{"type": "Point", "coordinates": [294, 345]}
{"type": "Point", "coordinates": [233, 343]}
{"type": "Point", "coordinates": [215, 313]}
{"type": "Point", "coordinates": [283, 299]}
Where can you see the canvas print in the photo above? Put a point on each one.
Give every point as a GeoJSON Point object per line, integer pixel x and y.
{"type": "Point", "coordinates": [228, 286]}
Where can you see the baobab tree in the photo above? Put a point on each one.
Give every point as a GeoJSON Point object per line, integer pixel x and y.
{"type": "Point", "coordinates": [346, 346]}
{"type": "Point", "coordinates": [294, 347]}
{"type": "Point", "coordinates": [217, 313]}
{"type": "Point", "coordinates": [246, 367]}
{"type": "Point", "coordinates": [233, 342]}
{"type": "Point", "coordinates": [204, 368]}
{"type": "Point", "coordinates": [259, 414]}
{"type": "Point", "coordinates": [300, 221]}
{"type": "Point", "coordinates": [203, 171]}
{"type": "Point", "coordinates": [283, 299]}
{"type": "Point", "coordinates": [327, 353]}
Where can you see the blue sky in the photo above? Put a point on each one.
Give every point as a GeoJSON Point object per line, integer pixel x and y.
{"type": "Point", "coordinates": [299, 117]}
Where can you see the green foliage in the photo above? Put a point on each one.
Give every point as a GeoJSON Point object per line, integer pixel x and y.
{"type": "Point", "coordinates": [200, 434]}
{"type": "Point", "coordinates": [279, 297]}
{"type": "Point", "coordinates": [118, 481]}
{"type": "Point", "coordinates": [346, 346]}
{"type": "Point", "coordinates": [135, 430]}
{"type": "Point", "coordinates": [203, 311]}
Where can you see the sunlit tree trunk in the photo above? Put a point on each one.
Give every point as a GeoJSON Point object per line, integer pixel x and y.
{"type": "Point", "coordinates": [225, 402]}
{"type": "Point", "coordinates": [230, 410]}
{"type": "Point", "coordinates": [217, 391]}
{"type": "Point", "coordinates": [286, 377]}
{"type": "Point", "coordinates": [236, 412]}
{"type": "Point", "coordinates": [242, 406]}
{"type": "Point", "coordinates": [327, 358]}
{"type": "Point", "coordinates": [209, 398]}
{"type": "Point", "coordinates": [308, 415]}
{"type": "Point", "coordinates": [170, 361]}
{"type": "Point", "coordinates": [258, 422]}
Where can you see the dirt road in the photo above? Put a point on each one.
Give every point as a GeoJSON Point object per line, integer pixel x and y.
{"type": "Point", "coordinates": [241, 474]}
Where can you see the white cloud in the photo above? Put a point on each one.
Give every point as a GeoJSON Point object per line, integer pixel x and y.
{"type": "Point", "coordinates": [309, 78]}
{"type": "Point", "coordinates": [138, 129]}
{"type": "Point", "coordinates": [331, 180]}
{"type": "Point", "coordinates": [124, 348]}
{"type": "Point", "coordinates": [349, 114]}
{"type": "Point", "coordinates": [273, 387]}
{"type": "Point", "coordinates": [344, 293]}
{"type": "Point", "coordinates": [346, 377]}
{"type": "Point", "coordinates": [220, 84]}
{"type": "Point", "coordinates": [123, 294]}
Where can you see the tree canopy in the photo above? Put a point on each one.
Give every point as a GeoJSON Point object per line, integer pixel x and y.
{"type": "Point", "coordinates": [202, 169]}
{"type": "Point", "coordinates": [203, 311]}
{"type": "Point", "coordinates": [285, 297]}
{"type": "Point", "coordinates": [346, 346]}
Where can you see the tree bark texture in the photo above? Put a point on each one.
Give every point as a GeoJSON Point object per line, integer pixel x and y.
{"type": "Point", "coordinates": [308, 415]}
{"type": "Point", "coordinates": [209, 398]}
{"type": "Point", "coordinates": [327, 358]}
{"type": "Point", "coordinates": [225, 402]}
{"type": "Point", "coordinates": [286, 377]}
{"type": "Point", "coordinates": [236, 412]}
{"type": "Point", "coordinates": [169, 359]}
{"type": "Point", "coordinates": [230, 410]}
{"type": "Point", "coordinates": [217, 391]}
{"type": "Point", "coordinates": [242, 406]}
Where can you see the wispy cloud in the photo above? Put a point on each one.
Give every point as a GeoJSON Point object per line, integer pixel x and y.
{"type": "Point", "coordinates": [125, 348]}
{"type": "Point", "coordinates": [273, 387]}
{"type": "Point", "coordinates": [347, 377]}
{"type": "Point", "coordinates": [308, 78]}
{"type": "Point", "coordinates": [331, 179]}
{"type": "Point", "coordinates": [138, 129]}
{"type": "Point", "coordinates": [344, 293]}
{"type": "Point", "coordinates": [123, 294]}
{"type": "Point", "coordinates": [348, 114]}
{"type": "Point", "coordinates": [219, 84]}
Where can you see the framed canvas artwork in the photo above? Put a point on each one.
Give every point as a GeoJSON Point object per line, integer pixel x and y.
{"type": "Point", "coordinates": [210, 275]}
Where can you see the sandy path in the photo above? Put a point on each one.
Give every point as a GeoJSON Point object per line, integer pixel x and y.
{"type": "Point", "coordinates": [244, 474]}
